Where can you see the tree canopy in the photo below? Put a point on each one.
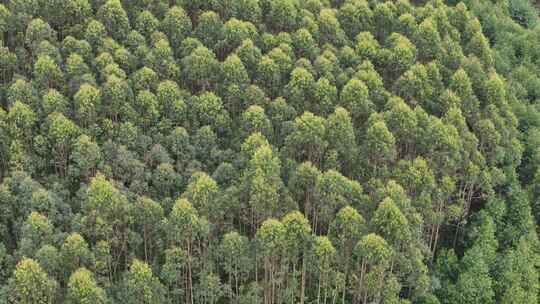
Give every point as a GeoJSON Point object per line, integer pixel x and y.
{"type": "Point", "coordinates": [269, 151]}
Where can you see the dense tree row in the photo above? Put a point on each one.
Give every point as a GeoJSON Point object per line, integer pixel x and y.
{"type": "Point", "coordinates": [269, 151]}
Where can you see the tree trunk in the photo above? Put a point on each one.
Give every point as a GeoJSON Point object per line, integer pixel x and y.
{"type": "Point", "coordinates": [231, 292]}
{"type": "Point", "coordinates": [319, 289]}
{"type": "Point", "coordinates": [435, 241]}
{"type": "Point", "coordinates": [266, 283]}
{"type": "Point", "coordinates": [237, 292]}
{"type": "Point", "coordinates": [361, 280]}
{"type": "Point", "coordinates": [190, 275]}
{"type": "Point", "coordinates": [344, 290]}
{"type": "Point", "coordinates": [294, 274]}
{"type": "Point", "coordinates": [145, 233]}
{"type": "Point", "coordinates": [303, 280]}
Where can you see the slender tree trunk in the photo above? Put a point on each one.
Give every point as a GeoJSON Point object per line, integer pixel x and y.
{"type": "Point", "coordinates": [319, 289]}
{"type": "Point", "coordinates": [364, 301]}
{"type": "Point", "coordinates": [344, 290]}
{"type": "Point", "coordinates": [190, 275]}
{"type": "Point", "coordinates": [361, 280]}
{"type": "Point", "coordinates": [145, 233]}
{"type": "Point", "coordinates": [256, 266]}
{"type": "Point", "coordinates": [266, 281]}
{"type": "Point", "coordinates": [231, 292]}
{"type": "Point", "coordinates": [303, 280]}
{"type": "Point", "coordinates": [253, 228]}
{"type": "Point", "coordinates": [294, 274]}
{"type": "Point", "coordinates": [237, 292]}
{"type": "Point", "coordinates": [456, 236]}
{"type": "Point", "coordinates": [325, 288]}
{"type": "Point", "coordinates": [273, 278]}
{"type": "Point", "coordinates": [435, 241]}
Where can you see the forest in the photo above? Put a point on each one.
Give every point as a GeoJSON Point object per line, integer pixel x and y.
{"type": "Point", "coordinates": [269, 152]}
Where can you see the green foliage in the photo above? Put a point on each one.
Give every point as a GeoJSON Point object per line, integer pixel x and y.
{"type": "Point", "coordinates": [269, 151]}
{"type": "Point", "coordinates": [114, 18]}
{"type": "Point", "coordinates": [30, 284]}
{"type": "Point", "coordinates": [522, 12]}
{"type": "Point", "coordinates": [141, 286]}
{"type": "Point", "coordinates": [82, 288]}
{"type": "Point", "coordinates": [200, 68]}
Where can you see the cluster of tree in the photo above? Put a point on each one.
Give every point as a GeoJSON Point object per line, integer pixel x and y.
{"type": "Point", "coordinates": [269, 151]}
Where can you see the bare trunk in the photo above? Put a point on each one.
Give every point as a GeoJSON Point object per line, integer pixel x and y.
{"type": "Point", "coordinates": [303, 280]}
{"type": "Point", "coordinates": [294, 273]}
{"type": "Point", "coordinates": [145, 244]}
{"type": "Point", "coordinates": [319, 289]}
{"type": "Point", "coordinates": [361, 280]}
{"type": "Point", "coordinates": [344, 289]}
{"type": "Point", "coordinates": [237, 292]}
{"type": "Point", "coordinates": [436, 240]}
{"type": "Point", "coordinates": [231, 292]}
{"type": "Point", "coordinates": [190, 275]}
{"type": "Point", "coordinates": [456, 236]}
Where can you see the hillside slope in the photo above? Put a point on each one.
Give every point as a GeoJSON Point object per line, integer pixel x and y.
{"type": "Point", "coordinates": [269, 151]}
